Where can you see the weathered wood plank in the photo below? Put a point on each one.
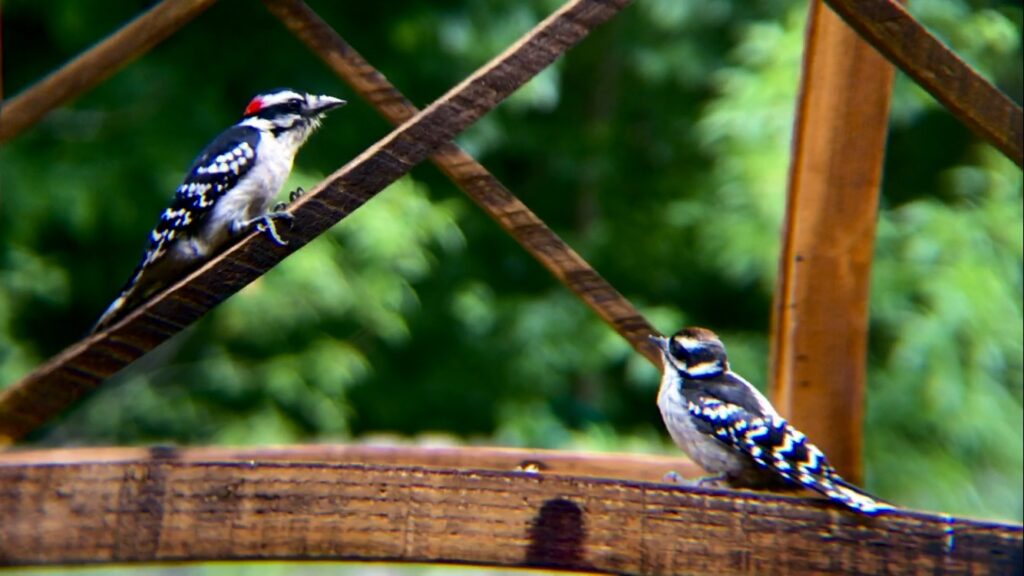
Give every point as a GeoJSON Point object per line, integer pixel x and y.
{"type": "Point", "coordinates": [820, 319]}
{"type": "Point", "coordinates": [97, 64]}
{"type": "Point", "coordinates": [65, 378]}
{"type": "Point", "coordinates": [621, 466]}
{"type": "Point", "coordinates": [888, 26]}
{"type": "Point", "coordinates": [564, 263]}
{"type": "Point", "coordinates": [173, 507]}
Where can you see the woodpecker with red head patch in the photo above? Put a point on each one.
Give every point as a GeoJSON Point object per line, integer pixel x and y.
{"type": "Point", "coordinates": [730, 429]}
{"type": "Point", "coordinates": [228, 191]}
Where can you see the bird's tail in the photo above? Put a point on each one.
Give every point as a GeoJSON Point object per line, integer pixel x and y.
{"type": "Point", "coordinates": [112, 313]}
{"type": "Point", "coordinates": [851, 496]}
{"type": "Point", "coordinates": [126, 300]}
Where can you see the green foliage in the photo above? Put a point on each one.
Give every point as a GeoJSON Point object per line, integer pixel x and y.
{"type": "Point", "coordinates": [947, 385]}
{"type": "Point", "coordinates": [658, 148]}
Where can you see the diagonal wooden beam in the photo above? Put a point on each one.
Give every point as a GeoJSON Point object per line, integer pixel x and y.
{"type": "Point", "coordinates": [820, 319]}
{"type": "Point", "coordinates": [906, 43]}
{"type": "Point", "coordinates": [97, 64]}
{"type": "Point", "coordinates": [65, 378]}
{"type": "Point", "coordinates": [173, 505]}
{"type": "Point", "coordinates": [471, 177]}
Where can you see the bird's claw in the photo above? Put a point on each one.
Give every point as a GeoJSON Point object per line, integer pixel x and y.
{"type": "Point", "coordinates": [673, 477]}
{"type": "Point", "coordinates": [292, 197]}
{"type": "Point", "coordinates": [267, 224]}
{"type": "Point", "coordinates": [713, 481]}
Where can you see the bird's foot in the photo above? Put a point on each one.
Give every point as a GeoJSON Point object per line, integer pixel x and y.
{"type": "Point", "coordinates": [267, 223]}
{"type": "Point", "coordinates": [673, 477]}
{"type": "Point", "coordinates": [292, 197]}
{"type": "Point", "coordinates": [716, 481]}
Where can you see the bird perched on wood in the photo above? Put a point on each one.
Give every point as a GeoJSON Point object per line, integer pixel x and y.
{"type": "Point", "coordinates": [227, 192]}
{"type": "Point", "coordinates": [731, 430]}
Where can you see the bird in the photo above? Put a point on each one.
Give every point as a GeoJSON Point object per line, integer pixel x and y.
{"type": "Point", "coordinates": [227, 192]}
{"type": "Point", "coordinates": [731, 430]}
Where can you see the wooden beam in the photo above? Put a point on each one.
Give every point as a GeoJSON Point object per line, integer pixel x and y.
{"type": "Point", "coordinates": [97, 64]}
{"type": "Point", "coordinates": [620, 466]}
{"type": "Point", "coordinates": [888, 26]}
{"type": "Point", "coordinates": [564, 263]}
{"type": "Point", "coordinates": [172, 506]}
{"type": "Point", "coordinates": [78, 370]}
{"type": "Point", "coordinates": [820, 320]}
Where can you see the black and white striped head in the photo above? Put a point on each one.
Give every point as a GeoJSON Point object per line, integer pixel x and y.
{"type": "Point", "coordinates": [283, 111]}
{"type": "Point", "coordinates": [694, 352]}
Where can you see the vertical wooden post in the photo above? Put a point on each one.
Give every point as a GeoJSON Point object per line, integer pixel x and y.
{"type": "Point", "coordinates": [820, 320]}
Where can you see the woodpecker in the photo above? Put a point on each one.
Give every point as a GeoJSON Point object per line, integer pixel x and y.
{"type": "Point", "coordinates": [227, 192]}
{"type": "Point", "coordinates": [731, 430]}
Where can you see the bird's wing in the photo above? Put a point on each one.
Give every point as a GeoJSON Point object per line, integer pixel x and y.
{"type": "Point", "coordinates": [216, 170]}
{"type": "Point", "coordinates": [775, 445]}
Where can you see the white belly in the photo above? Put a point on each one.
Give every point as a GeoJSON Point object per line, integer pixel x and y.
{"type": "Point", "coordinates": [256, 191]}
{"type": "Point", "coordinates": [250, 198]}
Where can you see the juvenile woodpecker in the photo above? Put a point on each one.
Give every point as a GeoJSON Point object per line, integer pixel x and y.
{"type": "Point", "coordinates": [227, 192]}
{"type": "Point", "coordinates": [727, 427]}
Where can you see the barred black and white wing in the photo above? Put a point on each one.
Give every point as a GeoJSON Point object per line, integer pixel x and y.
{"type": "Point", "coordinates": [778, 447]}
{"type": "Point", "coordinates": [217, 170]}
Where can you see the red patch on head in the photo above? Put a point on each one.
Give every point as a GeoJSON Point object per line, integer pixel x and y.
{"type": "Point", "coordinates": [254, 106]}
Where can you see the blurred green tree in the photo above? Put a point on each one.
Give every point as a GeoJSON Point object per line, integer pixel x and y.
{"type": "Point", "coordinates": [658, 148]}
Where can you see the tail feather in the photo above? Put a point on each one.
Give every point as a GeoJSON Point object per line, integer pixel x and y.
{"type": "Point", "coordinates": [839, 490]}
{"type": "Point", "coordinates": [112, 313]}
{"type": "Point", "coordinates": [125, 301]}
{"type": "Point", "coordinates": [151, 274]}
{"type": "Point", "coordinates": [856, 498]}
{"type": "Point", "coordinates": [775, 445]}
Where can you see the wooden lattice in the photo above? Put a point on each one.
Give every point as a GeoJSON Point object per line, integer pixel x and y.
{"type": "Point", "coordinates": [190, 505]}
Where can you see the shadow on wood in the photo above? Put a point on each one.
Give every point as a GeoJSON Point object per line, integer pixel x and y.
{"type": "Point", "coordinates": [70, 507]}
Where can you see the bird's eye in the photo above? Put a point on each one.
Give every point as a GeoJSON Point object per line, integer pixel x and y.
{"type": "Point", "coordinates": [677, 350]}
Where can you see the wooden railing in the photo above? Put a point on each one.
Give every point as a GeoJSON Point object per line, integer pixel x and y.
{"type": "Point", "coordinates": [499, 508]}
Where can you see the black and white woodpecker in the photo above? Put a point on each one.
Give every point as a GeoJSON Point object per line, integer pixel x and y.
{"type": "Point", "coordinates": [731, 430]}
{"type": "Point", "coordinates": [228, 191]}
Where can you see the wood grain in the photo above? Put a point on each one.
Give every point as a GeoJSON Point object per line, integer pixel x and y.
{"type": "Point", "coordinates": [564, 263]}
{"type": "Point", "coordinates": [621, 466]}
{"type": "Point", "coordinates": [169, 506]}
{"type": "Point", "coordinates": [65, 378]}
{"type": "Point", "coordinates": [820, 319]}
{"type": "Point", "coordinates": [97, 64]}
{"type": "Point", "coordinates": [888, 26]}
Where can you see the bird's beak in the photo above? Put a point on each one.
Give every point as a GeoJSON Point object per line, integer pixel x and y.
{"type": "Point", "coordinates": [321, 104]}
{"type": "Point", "coordinates": [660, 341]}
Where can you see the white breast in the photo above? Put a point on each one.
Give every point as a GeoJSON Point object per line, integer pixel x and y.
{"type": "Point", "coordinates": [706, 451]}
{"type": "Point", "coordinates": [252, 196]}
{"type": "Point", "coordinates": [257, 190]}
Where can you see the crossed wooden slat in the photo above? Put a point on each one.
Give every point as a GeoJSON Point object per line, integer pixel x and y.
{"type": "Point", "coordinates": [52, 501]}
{"type": "Point", "coordinates": [74, 372]}
{"type": "Point", "coordinates": [80, 368]}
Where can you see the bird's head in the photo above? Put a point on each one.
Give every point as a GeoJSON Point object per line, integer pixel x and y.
{"type": "Point", "coordinates": [284, 111]}
{"type": "Point", "coordinates": [694, 352]}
